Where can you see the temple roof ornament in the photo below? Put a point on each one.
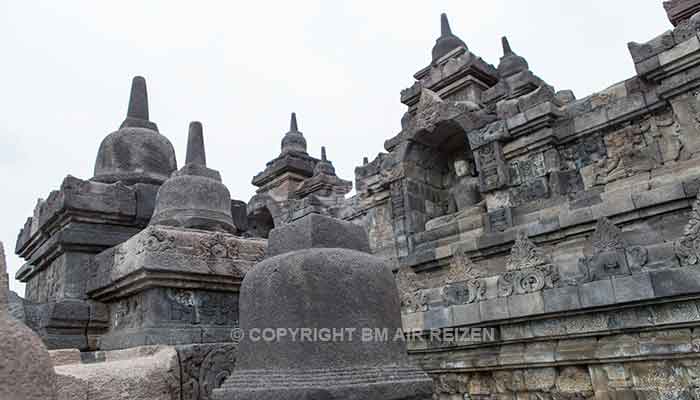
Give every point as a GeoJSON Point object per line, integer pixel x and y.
{"type": "Point", "coordinates": [293, 140]}
{"type": "Point", "coordinates": [194, 196]}
{"type": "Point", "coordinates": [511, 63]}
{"type": "Point", "coordinates": [447, 40]}
{"type": "Point", "coordinates": [136, 152]}
{"type": "Point", "coordinates": [324, 166]}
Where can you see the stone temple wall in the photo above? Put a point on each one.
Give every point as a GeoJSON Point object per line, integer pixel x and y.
{"type": "Point", "coordinates": [546, 246]}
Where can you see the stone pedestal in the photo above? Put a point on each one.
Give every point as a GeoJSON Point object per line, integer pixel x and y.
{"type": "Point", "coordinates": [172, 286]}
{"type": "Point", "coordinates": [59, 241]}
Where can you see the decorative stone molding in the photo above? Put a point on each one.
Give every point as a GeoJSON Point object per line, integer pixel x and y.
{"type": "Point", "coordinates": [606, 237]}
{"type": "Point", "coordinates": [529, 269]}
{"type": "Point", "coordinates": [688, 247]}
{"type": "Point", "coordinates": [524, 254]}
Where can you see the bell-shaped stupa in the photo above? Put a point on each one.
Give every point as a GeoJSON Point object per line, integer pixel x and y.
{"type": "Point", "coordinates": [447, 40]}
{"type": "Point", "coordinates": [320, 279]}
{"type": "Point", "coordinates": [136, 152]}
{"type": "Point", "coordinates": [194, 196]}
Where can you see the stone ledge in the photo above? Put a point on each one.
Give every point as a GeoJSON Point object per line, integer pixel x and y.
{"type": "Point", "coordinates": [640, 288]}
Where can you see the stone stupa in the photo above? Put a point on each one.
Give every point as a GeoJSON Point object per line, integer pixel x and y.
{"type": "Point", "coordinates": [177, 281]}
{"type": "Point", "coordinates": [320, 276]}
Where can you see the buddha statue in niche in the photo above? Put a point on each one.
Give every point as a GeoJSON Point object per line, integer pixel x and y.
{"type": "Point", "coordinates": [464, 192]}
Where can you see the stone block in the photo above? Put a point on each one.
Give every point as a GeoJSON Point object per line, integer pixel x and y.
{"type": "Point", "coordinates": [466, 314]}
{"type": "Point", "coordinates": [145, 200]}
{"type": "Point", "coordinates": [586, 323]}
{"type": "Point", "coordinates": [511, 354]}
{"type": "Point", "coordinates": [597, 293]}
{"type": "Point", "coordinates": [675, 313]}
{"type": "Point", "coordinates": [629, 318]}
{"type": "Point", "coordinates": [516, 121]}
{"type": "Point", "coordinates": [154, 375]}
{"type": "Point", "coordinates": [617, 346]}
{"type": "Point", "coordinates": [665, 342]}
{"type": "Point", "coordinates": [659, 195]}
{"type": "Point", "coordinates": [590, 120]}
{"type": "Point", "coordinates": [65, 357]}
{"type": "Point", "coordinates": [621, 107]}
{"type": "Point", "coordinates": [606, 264]}
{"type": "Point", "coordinates": [493, 309]}
{"type": "Point", "coordinates": [675, 282]}
{"type": "Point", "coordinates": [412, 322]}
{"type": "Point", "coordinates": [575, 217]}
{"type": "Point", "coordinates": [437, 318]}
{"type": "Point", "coordinates": [540, 352]}
{"type": "Point", "coordinates": [576, 349]}
{"type": "Point", "coordinates": [561, 299]}
{"type": "Point", "coordinates": [519, 331]}
{"type": "Point", "coordinates": [548, 327]}
{"type": "Point", "coordinates": [647, 66]}
{"type": "Point", "coordinates": [317, 231]}
{"type": "Point", "coordinates": [632, 288]}
{"type": "Point", "coordinates": [681, 10]}
{"type": "Point", "coordinates": [691, 184]}
{"type": "Point", "coordinates": [525, 304]}
{"type": "Point", "coordinates": [680, 50]}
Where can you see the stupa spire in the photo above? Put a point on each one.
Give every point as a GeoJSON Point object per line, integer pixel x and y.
{"type": "Point", "coordinates": [445, 25]}
{"type": "Point", "coordinates": [506, 46]}
{"type": "Point", "coordinates": [293, 127]}
{"type": "Point", "coordinates": [195, 145]}
{"type": "Point", "coordinates": [511, 63]}
{"type": "Point", "coordinates": [293, 140]}
{"type": "Point", "coordinates": [138, 100]}
{"type": "Point", "coordinates": [323, 153]}
{"type": "Point", "coordinates": [137, 113]}
{"type": "Point", "coordinates": [447, 40]}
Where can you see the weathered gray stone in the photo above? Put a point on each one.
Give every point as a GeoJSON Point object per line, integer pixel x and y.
{"type": "Point", "coordinates": [525, 304]}
{"type": "Point", "coordinates": [618, 346]}
{"type": "Point", "coordinates": [326, 233]}
{"type": "Point", "coordinates": [576, 349]}
{"type": "Point", "coordinates": [194, 196]}
{"type": "Point", "coordinates": [437, 318]}
{"type": "Point", "coordinates": [322, 287]}
{"type": "Point", "coordinates": [632, 288]}
{"type": "Point", "coordinates": [447, 41]}
{"type": "Point", "coordinates": [561, 299]}
{"type": "Point", "coordinates": [143, 373]}
{"type": "Point", "coordinates": [680, 10]}
{"type": "Point", "coordinates": [27, 372]}
{"type": "Point", "coordinates": [665, 342]}
{"type": "Point", "coordinates": [597, 293]}
{"type": "Point", "coordinates": [136, 153]}
{"type": "Point", "coordinates": [675, 282]}
{"type": "Point", "coordinates": [540, 352]}
{"type": "Point", "coordinates": [494, 309]}
{"type": "Point", "coordinates": [466, 314]}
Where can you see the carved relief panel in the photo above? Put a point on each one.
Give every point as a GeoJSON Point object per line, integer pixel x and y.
{"type": "Point", "coordinates": [493, 171]}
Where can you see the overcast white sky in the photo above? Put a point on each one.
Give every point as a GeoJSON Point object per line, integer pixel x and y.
{"type": "Point", "coordinates": [242, 67]}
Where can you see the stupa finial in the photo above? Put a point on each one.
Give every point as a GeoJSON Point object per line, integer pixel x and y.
{"type": "Point", "coordinates": [506, 46]}
{"type": "Point", "coordinates": [195, 145]}
{"type": "Point", "coordinates": [323, 153]}
{"type": "Point", "coordinates": [138, 101]}
{"type": "Point", "coordinates": [447, 40]}
{"type": "Point", "coordinates": [445, 25]}
{"type": "Point", "coordinates": [293, 127]}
